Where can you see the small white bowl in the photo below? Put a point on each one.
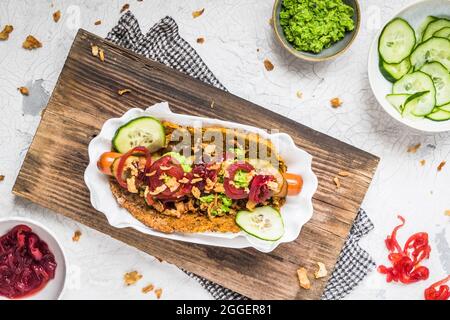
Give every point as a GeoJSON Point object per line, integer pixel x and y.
{"type": "Point", "coordinates": [415, 14]}
{"type": "Point", "coordinates": [55, 287]}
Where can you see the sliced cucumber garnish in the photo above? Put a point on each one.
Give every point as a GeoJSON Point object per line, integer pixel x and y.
{"type": "Point", "coordinates": [441, 80]}
{"type": "Point", "coordinates": [434, 49]}
{"type": "Point", "coordinates": [435, 26]}
{"type": "Point", "coordinates": [397, 100]}
{"type": "Point", "coordinates": [422, 80]}
{"type": "Point", "coordinates": [424, 26]}
{"type": "Point", "coordinates": [439, 115]}
{"type": "Point", "coordinates": [393, 72]}
{"type": "Point", "coordinates": [396, 42]}
{"type": "Point", "coordinates": [264, 223]}
{"type": "Point", "coordinates": [445, 107]}
{"type": "Point", "coordinates": [419, 104]}
{"type": "Point", "coordinates": [144, 131]}
{"type": "Point", "coordinates": [443, 33]}
{"type": "Point", "coordinates": [414, 82]}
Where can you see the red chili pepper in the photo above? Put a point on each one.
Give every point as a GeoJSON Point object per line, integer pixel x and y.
{"type": "Point", "coordinates": [443, 293]}
{"type": "Point", "coordinates": [405, 263]}
{"type": "Point", "coordinates": [121, 165]}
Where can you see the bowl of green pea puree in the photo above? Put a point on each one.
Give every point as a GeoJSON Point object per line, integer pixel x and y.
{"type": "Point", "coordinates": [316, 30]}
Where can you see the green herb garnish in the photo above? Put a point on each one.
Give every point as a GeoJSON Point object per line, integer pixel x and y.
{"type": "Point", "coordinates": [314, 25]}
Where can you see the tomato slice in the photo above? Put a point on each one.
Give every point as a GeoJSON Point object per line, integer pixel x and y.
{"type": "Point", "coordinates": [106, 160]}
{"type": "Point", "coordinates": [294, 182]}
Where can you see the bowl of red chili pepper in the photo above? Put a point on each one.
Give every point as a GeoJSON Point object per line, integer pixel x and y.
{"type": "Point", "coordinates": [32, 262]}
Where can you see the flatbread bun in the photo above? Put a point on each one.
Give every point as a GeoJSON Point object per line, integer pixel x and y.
{"type": "Point", "coordinates": [189, 222]}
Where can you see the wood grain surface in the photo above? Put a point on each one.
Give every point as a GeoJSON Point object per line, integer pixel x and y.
{"type": "Point", "coordinates": [86, 95]}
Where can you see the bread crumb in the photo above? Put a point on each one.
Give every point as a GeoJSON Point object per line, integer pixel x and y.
{"type": "Point", "coordinates": [303, 278]}
{"type": "Point", "coordinates": [56, 15]}
{"type": "Point", "coordinates": [414, 148]}
{"type": "Point", "coordinates": [322, 272]}
{"type": "Point", "coordinates": [2, 177]}
{"type": "Point", "coordinates": [24, 91]}
{"type": "Point", "coordinates": [94, 50]}
{"type": "Point", "coordinates": [441, 165]}
{"type": "Point", "coordinates": [76, 236]}
{"type": "Point", "coordinates": [158, 293]}
{"type": "Point", "coordinates": [148, 288]}
{"type": "Point", "coordinates": [422, 162]}
{"type": "Point", "coordinates": [268, 65]}
{"type": "Point", "coordinates": [98, 22]}
{"type": "Point", "coordinates": [101, 55]}
{"type": "Point", "coordinates": [31, 43]}
{"type": "Point", "coordinates": [337, 182]}
{"type": "Point", "coordinates": [121, 92]}
{"type": "Point", "coordinates": [336, 102]}
{"type": "Point", "coordinates": [198, 13]}
{"type": "Point", "coordinates": [132, 277]}
{"type": "Point", "coordinates": [7, 29]}
{"type": "Point", "coordinates": [125, 7]}
{"type": "Point", "coordinates": [200, 40]}
{"type": "Point", "coordinates": [343, 173]}
{"type": "Point", "coordinates": [299, 94]}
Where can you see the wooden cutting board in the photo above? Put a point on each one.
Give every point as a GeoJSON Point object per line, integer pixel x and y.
{"type": "Point", "coordinates": [86, 95]}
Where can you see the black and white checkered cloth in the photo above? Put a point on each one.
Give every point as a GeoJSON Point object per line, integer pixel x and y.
{"type": "Point", "coordinates": [162, 43]}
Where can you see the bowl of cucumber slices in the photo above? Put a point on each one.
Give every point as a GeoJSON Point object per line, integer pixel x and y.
{"type": "Point", "coordinates": [409, 66]}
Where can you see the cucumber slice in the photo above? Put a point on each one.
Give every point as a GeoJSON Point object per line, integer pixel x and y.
{"type": "Point", "coordinates": [393, 72]}
{"type": "Point", "coordinates": [396, 42]}
{"type": "Point", "coordinates": [414, 82]}
{"type": "Point", "coordinates": [439, 115]}
{"type": "Point", "coordinates": [397, 100]}
{"type": "Point", "coordinates": [419, 104]}
{"type": "Point", "coordinates": [441, 80]}
{"type": "Point", "coordinates": [264, 223]}
{"type": "Point", "coordinates": [445, 107]}
{"type": "Point", "coordinates": [435, 26]}
{"type": "Point", "coordinates": [443, 33]}
{"type": "Point", "coordinates": [434, 49]}
{"type": "Point", "coordinates": [144, 131]}
{"type": "Point", "coordinates": [423, 27]}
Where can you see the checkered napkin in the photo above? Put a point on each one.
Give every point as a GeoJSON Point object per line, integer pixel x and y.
{"type": "Point", "coordinates": [162, 43]}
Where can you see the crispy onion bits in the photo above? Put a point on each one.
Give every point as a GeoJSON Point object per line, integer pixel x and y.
{"type": "Point", "coordinates": [406, 266]}
{"type": "Point", "coordinates": [441, 293]}
{"type": "Point", "coordinates": [163, 184]}
{"type": "Point", "coordinates": [135, 151]}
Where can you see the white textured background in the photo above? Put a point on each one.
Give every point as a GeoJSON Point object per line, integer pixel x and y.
{"type": "Point", "coordinates": [233, 31]}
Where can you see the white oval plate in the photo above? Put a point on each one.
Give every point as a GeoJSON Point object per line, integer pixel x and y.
{"type": "Point", "coordinates": [55, 287]}
{"type": "Point", "coordinates": [296, 212]}
{"type": "Point", "coordinates": [415, 14]}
